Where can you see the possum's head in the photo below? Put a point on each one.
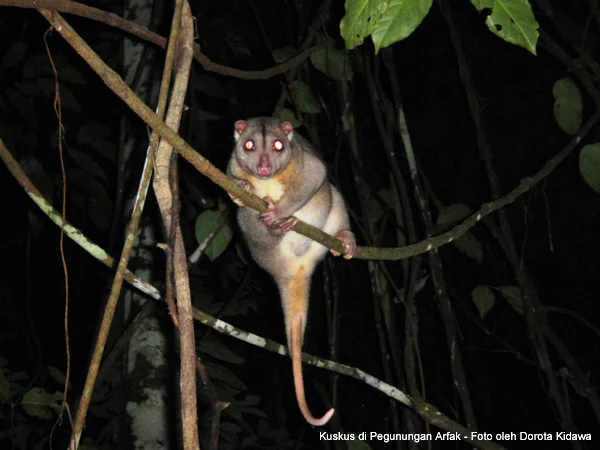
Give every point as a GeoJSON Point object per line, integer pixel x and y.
{"type": "Point", "coordinates": [263, 146]}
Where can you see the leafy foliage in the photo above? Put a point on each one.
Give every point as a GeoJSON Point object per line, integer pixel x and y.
{"type": "Point", "coordinates": [468, 243]}
{"type": "Point", "coordinates": [212, 225]}
{"type": "Point", "coordinates": [568, 105]}
{"type": "Point", "coordinates": [512, 294]}
{"type": "Point", "coordinates": [385, 22]}
{"type": "Point", "coordinates": [512, 20]}
{"type": "Point", "coordinates": [388, 22]}
{"type": "Point", "coordinates": [589, 165]}
{"type": "Point", "coordinates": [333, 63]}
{"type": "Point", "coordinates": [484, 299]}
{"type": "Point", "coordinates": [305, 98]}
{"type": "Point", "coordinates": [26, 411]}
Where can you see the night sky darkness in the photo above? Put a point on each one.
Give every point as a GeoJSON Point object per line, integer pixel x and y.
{"type": "Point", "coordinates": [555, 225]}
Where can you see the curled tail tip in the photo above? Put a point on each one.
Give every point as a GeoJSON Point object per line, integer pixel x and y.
{"type": "Point", "coordinates": [320, 421]}
{"type": "Point", "coordinates": [296, 354]}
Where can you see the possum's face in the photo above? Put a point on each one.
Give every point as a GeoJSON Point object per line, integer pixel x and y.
{"type": "Point", "coordinates": [263, 146]}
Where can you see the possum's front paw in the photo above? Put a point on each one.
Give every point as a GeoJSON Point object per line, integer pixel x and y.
{"type": "Point", "coordinates": [247, 186]}
{"type": "Point", "coordinates": [283, 225]}
{"type": "Point", "coordinates": [349, 241]}
{"type": "Point", "coordinates": [269, 218]}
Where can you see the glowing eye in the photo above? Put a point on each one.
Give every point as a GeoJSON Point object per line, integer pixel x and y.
{"type": "Point", "coordinates": [249, 145]}
{"type": "Point", "coordinates": [277, 145]}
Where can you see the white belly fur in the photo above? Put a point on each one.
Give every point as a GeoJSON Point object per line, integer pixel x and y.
{"type": "Point", "coordinates": [269, 187]}
{"type": "Point", "coordinates": [301, 249]}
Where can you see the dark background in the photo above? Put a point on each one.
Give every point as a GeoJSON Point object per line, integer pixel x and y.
{"type": "Point", "coordinates": [555, 224]}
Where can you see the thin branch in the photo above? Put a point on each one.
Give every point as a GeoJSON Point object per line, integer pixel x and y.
{"type": "Point", "coordinates": [145, 34]}
{"type": "Point", "coordinates": [217, 406]}
{"type": "Point", "coordinates": [72, 232]}
{"type": "Point", "coordinates": [180, 48]}
{"type": "Point", "coordinates": [123, 341]}
{"type": "Point", "coordinates": [575, 316]}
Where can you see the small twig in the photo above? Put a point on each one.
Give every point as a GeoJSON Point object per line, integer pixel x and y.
{"type": "Point", "coordinates": [172, 236]}
{"type": "Point", "coordinates": [216, 405]}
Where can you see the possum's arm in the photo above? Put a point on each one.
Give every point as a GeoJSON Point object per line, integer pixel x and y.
{"type": "Point", "coordinates": [303, 179]}
{"type": "Point", "coordinates": [232, 170]}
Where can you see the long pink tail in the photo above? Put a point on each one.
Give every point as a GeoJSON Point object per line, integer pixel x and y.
{"type": "Point", "coordinates": [296, 354]}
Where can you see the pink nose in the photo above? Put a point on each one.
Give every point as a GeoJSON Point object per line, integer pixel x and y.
{"type": "Point", "coordinates": [264, 171]}
{"type": "Point", "coordinates": [264, 167]}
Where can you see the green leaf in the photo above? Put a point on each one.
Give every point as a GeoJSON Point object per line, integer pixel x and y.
{"type": "Point", "coordinates": [470, 246]}
{"type": "Point", "coordinates": [372, 205]}
{"type": "Point", "coordinates": [281, 55]}
{"type": "Point", "coordinates": [484, 299]}
{"type": "Point", "coordinates": [56, 374]}
{"type": "Point", "coordinates": [511, 20]}
{"type": "Point", "coordinates": [23, 105]}
{"type": "Point", "coordinates": [262, 428]}
{"type": "Point", "coordinates": [452, 214]}
{"type": "Point", "coordinates": [28, 88]}
{"type": "Point", "coordinates": [568, 105]}
{"type": "Point", "coordinates": [249, 400]}
{"type": "Point", "coordinates": [36, 65]}
{"type": "Point", "coordinates": [398, 21]}
{"type": "Point", "coordinates": [206, 224]}
{"type": "Point", "coordinates": [220, 242]}
{"type": "Point", "coordinates": [512, 294]}
{"type": "Point", "coordinates": [360, 19]}
{"type": "Point", "coordinates": [333, 63]}
{"type": "Point", "coordinates": [47, 86]}
{"type": "Point", "coordinates": [287, 115]}
{"type": "Point", "coordinates": [219, 373]}
{"type": "Point", "coordinates": [72, 75]}
{"type": "Point", "coordinates": [217, 350]}
{"type": "Point", "coordinates": [39, 403]}
{"type": "Point", "coordinates": [467, 243]}
{"type": "Point", "coordinates": [68, 100]}
{"type": "Point", "coordinates": [387, 197]}
{"type": "Point", "coordinates": [305, 98]}
{"type": "Point", "coordinates": [99, 204]}
{"type": "Point", "coordinates": [14, 55]}
{"type": "Point", "coordinates": [589, 165]}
